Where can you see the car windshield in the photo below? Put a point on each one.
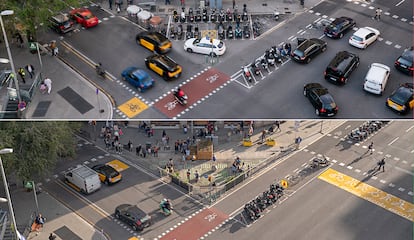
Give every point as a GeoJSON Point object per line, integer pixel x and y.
{"type": "Point", "coordinates": [356, 38]}
{"type": "Point", "coordinates": [401, 95]}
{"type": "Point", "coordinates": [298, 53]}
{"type": "Point", "coordinates": [220, 45]}
{"type": "Point", "coordinates": [405, 61]}
{"type": "Point", "coordinates": [113, 174]}
{"type": "Point", "coordinates": [327, 101]}
{"type": "Point", "coordinates": [88, 16]}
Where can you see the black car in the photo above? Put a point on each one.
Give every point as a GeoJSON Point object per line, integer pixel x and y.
{"type": "Point", "coordinates": [133, 216]}
{"type": "Point", "coordinates": [341, 67]}
{"type": "Point", "coordinates": [339, 27]}
{"type": "Point", "coordinates": [107, 174]}
{"type": "Point", "coordinates": [163, 66]}
{"type": "Point", "coordinates": [307, 49]}
{"type": "Point", "coordinates": [321, 100]}
{"type": "Point", "coordinates": [404, 63]}
{"type": "Point", "coordinates": [154, 41]}
{"type": "Point", "coordinates": [401, 100]}
{"type": "Point", "coordinates": [61, 23]}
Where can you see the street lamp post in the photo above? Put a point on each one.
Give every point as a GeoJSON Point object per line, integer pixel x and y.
{"type": "Point", "coordinates": [6, 188]}
{"type": "Point", "coordinates": [5, 13]}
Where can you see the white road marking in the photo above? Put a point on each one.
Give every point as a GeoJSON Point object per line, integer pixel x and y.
{"type": "Point", "coordinates": [395, 139]}
{"type": "Point", "coordinates": [398, 4]}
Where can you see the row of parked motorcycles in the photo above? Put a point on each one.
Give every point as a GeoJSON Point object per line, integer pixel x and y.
{"type": "Point", "coordinates": [229, 33]}
{"type": "Point", "coordinates": [254, 208]}
{"type": "Point", "coordinates": [212, 15]}
{"type": "Point", "coordinates": [273, 56]}
{"type": "Point", "coordinates": [362, 132]}
{"type": "Point", "coordinates": [191, 31]}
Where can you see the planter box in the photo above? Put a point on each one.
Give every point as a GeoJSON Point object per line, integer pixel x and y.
{"type": "Point", "coordinates": [204, 150]}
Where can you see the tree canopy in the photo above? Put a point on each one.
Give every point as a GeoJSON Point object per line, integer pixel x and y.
{"type": "Point", "coordinates": [34, 13]}
{"type": "Point", "coordinates": [36, 146]}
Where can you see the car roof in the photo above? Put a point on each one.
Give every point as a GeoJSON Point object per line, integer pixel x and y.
{"type": "Point", "coordinates": [104, 168]}
{"type": "Point", "coordinates": [207, 40]}
{"type": "Point", "coordinates": [156, 36]}
{"type": "Point", "coordinates": [402, 93]}
{"type": "Point", "coordinates": [133, 209]}
{"type": "Point", "coordinates": [139, 73]}
{"type": "Point", "coordinates": [341, 60]}
{"type": "Point", "coordinates": [362, 32]}
{"type": "Point", "coordinates": [309, 42]}
{"type": "Point", "coordinates": [164, 60]}
{"type": "Point", "coordinates": [377, 72]}
{"type": "Point", "coordinates": [408, 54]}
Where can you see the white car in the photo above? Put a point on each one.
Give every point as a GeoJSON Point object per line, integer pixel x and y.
{"type": "Point", "coordinates": [204, 46]}
{"type": "Point", "coordinates": [376, 78]}
{"type": "Point", "coordinates": [364, 37]}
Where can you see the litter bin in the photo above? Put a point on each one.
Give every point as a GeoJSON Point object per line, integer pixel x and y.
{"type": "Point", "coordinates": [33, 47]}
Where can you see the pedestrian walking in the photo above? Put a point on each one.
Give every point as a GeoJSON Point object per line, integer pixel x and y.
{"type": "Point", "coordinates": [234, 4]}
{"type": "Point", "coordinates": [263, 135]}
{"type": "Point", "coordinates": [298, 140]}
{"type": "Point", "coordinates": [197, 176]}
{"type": "Point", "coordinates": [30, 70]}
{"type": "Point", "coordinates": [110, 4]}
{"type": "Point", "coordinates": [48, 83]}
{"type": "Point", "coordinates": [188, 175]}
{"type": "Point", "coordinates": [378, 12]}
{"type": "Point", "coordinates": [167, 2]}
{"type": "Point", "coordinates": [22, 74]}
{"type": "Point", "coordinates": [19, 40]}
{"type": "Point", "coordinates": [138, 149]}
{"type": "Point", "coordinates": [371, 148]}
{"type": "Point", "coordinates": [381, 163]}
{"type": "Point", "coordinates": [277, 126]}
{"type": "Point", "coordinates": [130, 145]}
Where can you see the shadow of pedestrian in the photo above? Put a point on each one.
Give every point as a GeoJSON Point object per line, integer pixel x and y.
{"type": "Point", "coordinates": [370, 173]}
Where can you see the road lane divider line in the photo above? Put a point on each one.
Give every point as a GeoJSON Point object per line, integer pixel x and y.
{"type": "Point", "coordinates": [367, 192]}
{"type": "Point", "coordinates": [393, 141]}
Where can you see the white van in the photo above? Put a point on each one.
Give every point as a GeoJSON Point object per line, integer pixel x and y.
{"type": "Point", "coordinates": [376, 78]}
{"type": "Point", "coordinates": [83, 179]}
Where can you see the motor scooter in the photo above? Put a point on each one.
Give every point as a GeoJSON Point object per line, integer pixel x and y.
{"type": "Point", "coordinates": [247, 74]}
{"type": "Point", "coordinates": [182, 15]}
{"type": "Point", "coordinates": [198, 15]}
{"type": "Point", "coordinates": [230, 33]}
{"type": "Point", "coordinates": [165, 207]}
{"type": "Point", "coordinates": [205, 16]}
{"type": "Point", "coordinates": [181, 100]}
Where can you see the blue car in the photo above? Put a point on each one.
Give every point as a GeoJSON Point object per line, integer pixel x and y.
{"type": "Point", "coordinates": [138, 78]}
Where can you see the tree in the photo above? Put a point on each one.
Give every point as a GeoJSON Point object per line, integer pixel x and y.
{"type": "Point", "coordinates": [37, 146]}
{"type": "Point", "coordinates": [31, 14]}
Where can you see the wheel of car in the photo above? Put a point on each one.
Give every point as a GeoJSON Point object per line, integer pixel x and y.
{"type": "Point", "coordinates": [346, 80]}
{"type": "Point", "coordinates": [304, 92]}
{"type": "Point", "coordinates": [323, 49]}
{"type": "Point", "coordinates": [308, 60]}
{"type": "Point", "coordinates": [147, 64]}
{"type": "Point", "coordinates": [134, 227]}
{"type": "Point", "coordinates": [106, 181]}
{"type": "Point", "coordinates": [117, 215]}
{"type": "Point", "coordinates": [165, 76]}
{"type": "Point", "coordinates": [317, 112]}
{"type": "Point", "coordinates": [189, 50]}
{"type": "Point", "coordinates": [341, 35]}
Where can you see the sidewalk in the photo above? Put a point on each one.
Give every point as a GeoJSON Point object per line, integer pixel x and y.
{"type": "Point", "coordinates": [72, 97]}
{"type": "Point", "coordinates": [60, 220]}
{"type": "Point", "coordinates": [227, 149]}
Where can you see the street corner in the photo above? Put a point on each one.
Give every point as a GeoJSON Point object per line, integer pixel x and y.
{"type": "Point", "coordinates": [198, 89]}
{"type": "Point", "coordinates": [132, 107]}
{"type": "Point", "coordinates": [118, 165]}
{"type": "Point", "coordinates": [197, 226]}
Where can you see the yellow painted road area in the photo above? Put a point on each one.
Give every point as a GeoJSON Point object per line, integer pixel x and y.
{"type": "Point", "coordinates": [374, 195]}
{"type": "Point", "coordinates": [132, 107]}
{"type": "Point", "coordinates": [209, 33]}
{"type": "Point", "coordinates": [133, 238]}
{"type": "Point", "coordinates": [118, 165]}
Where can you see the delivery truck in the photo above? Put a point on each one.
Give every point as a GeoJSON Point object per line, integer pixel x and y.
{"type": "Point", "coordinates": [83, 179]}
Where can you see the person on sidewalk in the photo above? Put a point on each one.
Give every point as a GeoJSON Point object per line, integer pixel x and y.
{"type": "Point", "coordinates": [298, 140]}
{"type": "Point", "coordinates": [381, 163]}
{"type": "Point", "coordinates": [52, 237]}
{"type": "Point", "coordinates": [110, 4]}
{"type": "Point", "coordinates": [188, 175]}
{"type": "Point", "coordinates": [38, 223]}
{"type": "Point", "coordinates": [48, 83]}
{"type": "Point", "coordinates": [22, 74]}
{"type": "Point", "coordinates": [30, 70]}
{"type": "Point", "coordinates": [196, 176]}
{"type": "Point", "coordinates": [277, 126]}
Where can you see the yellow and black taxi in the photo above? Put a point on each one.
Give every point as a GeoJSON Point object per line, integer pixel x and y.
{"type": "Point", "coordinates": [107, 174]}
{"type": "Point", "coordinates": [163, 66]}
{"type": "Point", "coordinates": [154, 41]}
{"type": "Point", "coordinates": [401, 100]}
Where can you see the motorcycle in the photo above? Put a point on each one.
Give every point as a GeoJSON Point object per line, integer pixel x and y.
{"type": "Point", "coordinates": [180, 99]}
{"type": "Point", "coordinates": [229, 15]}
{"type": "Point", "coordinates": [246, 31]}
{"type": "Point", "coordinates": [99, 70]}
{"type": "Point", "coordinates": [230, 33]}
{"type": "Point", "coordinates": [182, 15]}
{"type": "Point", "coordinates": [222, 16]}
{"type": "Point", "coordinates": [165, 207]}
{"type": "Point", "coordinates": [175, 16]}
{"type": "Point", "coordinates": [238, 32]}
{"type": "Point", "coordinates": [264, 63]}
{"type": "Point", "coordinates": [189, 33]}
{"type": "Point", "coordinates": [180, 31]}
{"type": "Point", "coordinates": [220, 31]}
{"type": "Point", "coordinates": [198, 15]}
{"type": "Point", "coordinates": [256, 67]}
{"type": "Point", "coordinates": [256, 28]}
{"type": "Point", "coordinates": [213, 16]}
{"type": "Point", "coordinates": [276, 15]}
{"type": "Point", "coordinates": [205, 17]}
{"type": "Point", "coordinates": [190, 15]}
{"type": "Point", "coordinates": [245, 17]}
{"type": "Point", "coordinates": [247, 74]}
{"type": "Point", "coordinates": [269, 58]}
{"type": "Point", "coordinates": [196, 31]}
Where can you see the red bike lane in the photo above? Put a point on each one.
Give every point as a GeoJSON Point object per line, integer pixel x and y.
{"type": "Point", "coordinates": [197, 226]}
{"type": "Point", "coordinates": [196, 89]}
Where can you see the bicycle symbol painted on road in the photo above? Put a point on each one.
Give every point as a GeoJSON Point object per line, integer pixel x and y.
{"type": "Point", "coordinates": [212, 78]}
{"type": "Point", "coordinates": [170, 105]}
{"type": "Point", "coordinates": [210, 217]}
{"type": "Point", "coordinates": [133, 107]}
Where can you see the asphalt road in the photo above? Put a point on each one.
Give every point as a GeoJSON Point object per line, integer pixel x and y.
{"type": "Point", "coordinates": [279, 94]}
{"type": "Point", "coordinates": [315, 209]}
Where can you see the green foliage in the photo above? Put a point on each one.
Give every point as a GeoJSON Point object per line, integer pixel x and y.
{"type": "Point", "coordinates": [36, 145]}
{"type": "Point", "coordinates": [33, 13]}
